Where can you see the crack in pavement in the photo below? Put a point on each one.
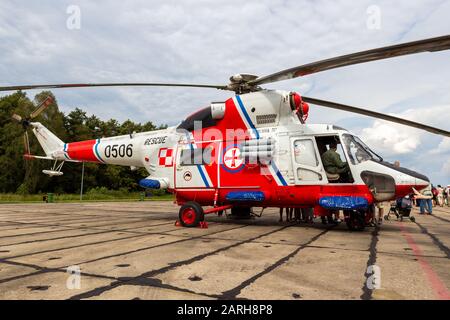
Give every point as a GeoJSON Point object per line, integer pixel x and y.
{"type": "Point", "coordinates": [367, 293]}
{"type": "Point", "coordinates": [435, 239]}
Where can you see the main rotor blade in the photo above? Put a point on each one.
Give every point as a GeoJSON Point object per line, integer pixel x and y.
{"type": "Point", "coordinates": [26, 143]}
{"type": "Point", "coordinates": [124, 84]}
{"type": "Point", "coordinates": [377, 115]}
{"type": "Point", "coordinates": [427, 45]}
{"type": "Point", "coordinates": [44, 105]}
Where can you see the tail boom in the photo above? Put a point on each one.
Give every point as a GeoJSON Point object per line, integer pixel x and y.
{"type": "Point", "coordinates": [86, 151]}
{"type": "Point", "coordinates": [123, 150]}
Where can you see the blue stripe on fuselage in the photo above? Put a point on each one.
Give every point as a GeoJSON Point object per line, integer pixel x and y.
{"type": "Point", "coordinates": [200, 169]}
{"type": "Point", "coordinates": [247, 117]}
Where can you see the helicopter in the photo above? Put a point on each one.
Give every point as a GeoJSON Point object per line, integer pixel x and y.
{"type": "Point", "coordinates": [254, 150]}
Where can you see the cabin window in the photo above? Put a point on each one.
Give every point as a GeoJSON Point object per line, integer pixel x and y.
{"type": "Point", "coordinates": [307, 165]}
{"type": "Point", "coordinates": [192, 157]}
{"type": "Point", "coordinates": [308, 175]}
{"type": "Point", "coordinates": [305, 153]}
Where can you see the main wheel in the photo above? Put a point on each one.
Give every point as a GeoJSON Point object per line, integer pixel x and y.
{"type": "Point", "coordinates": [356, 221]}
{"type": "Point", "coordinates": [191, 214]}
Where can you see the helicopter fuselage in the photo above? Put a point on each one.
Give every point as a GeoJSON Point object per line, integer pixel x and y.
{"type": "Point", "coordinates": [251, 150]}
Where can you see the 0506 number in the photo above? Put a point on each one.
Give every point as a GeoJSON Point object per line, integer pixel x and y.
{"type": "Point", "coordinates": [117, 150]}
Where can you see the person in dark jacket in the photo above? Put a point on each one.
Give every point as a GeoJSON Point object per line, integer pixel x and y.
{"type": "Point", "coordinates": [333, 164]}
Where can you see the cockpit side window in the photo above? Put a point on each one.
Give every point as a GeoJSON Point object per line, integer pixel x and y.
{"type": "Point", "coordinates": [204, 117]}
{"type": "Point", "coordinates": [357, 151]}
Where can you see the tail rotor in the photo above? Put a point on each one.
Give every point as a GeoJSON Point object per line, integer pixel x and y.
{"type": "Point", "coordinates": [25, 122]}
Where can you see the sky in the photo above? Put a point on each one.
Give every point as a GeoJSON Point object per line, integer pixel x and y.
{"type": "Point", "coordinates": [208, 41]}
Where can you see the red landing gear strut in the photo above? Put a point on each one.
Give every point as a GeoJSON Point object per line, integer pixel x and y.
{"type": "Point", "coordinates": [192, 214]}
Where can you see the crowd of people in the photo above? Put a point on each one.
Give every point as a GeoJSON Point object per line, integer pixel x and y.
{"type": "Point", "coordinates": [430, 197]}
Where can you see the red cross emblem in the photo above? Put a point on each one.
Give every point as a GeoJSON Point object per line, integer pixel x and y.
{"type": "Point", "coordinates": [232, 158]}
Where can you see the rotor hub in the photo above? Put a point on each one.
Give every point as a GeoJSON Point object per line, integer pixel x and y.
{"type": "Point", "coordinates": [239, 83]}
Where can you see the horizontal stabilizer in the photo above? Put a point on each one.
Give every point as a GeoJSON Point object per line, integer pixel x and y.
{"type": "Point", "coordinates": [52, 173]}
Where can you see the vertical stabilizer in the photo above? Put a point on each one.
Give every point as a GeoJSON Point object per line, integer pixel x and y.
{"type": "Point", "coordinates": [48, 141]}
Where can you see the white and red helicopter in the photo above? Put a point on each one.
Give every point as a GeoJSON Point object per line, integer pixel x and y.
{"type": "Point", "coordinates": [253, 150]}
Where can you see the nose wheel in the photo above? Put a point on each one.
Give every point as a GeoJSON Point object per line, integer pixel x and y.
{"type": "Point", "coordinates": [355, 220]}
{"type": "Point", "coordinates": [191, 214]}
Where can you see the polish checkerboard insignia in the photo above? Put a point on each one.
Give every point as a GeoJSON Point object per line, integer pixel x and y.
{"type": "Point", "coordinates": [165, 157]}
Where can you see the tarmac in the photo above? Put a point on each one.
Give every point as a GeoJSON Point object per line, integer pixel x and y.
{"type": "Point", "coordinates": [133, 250]}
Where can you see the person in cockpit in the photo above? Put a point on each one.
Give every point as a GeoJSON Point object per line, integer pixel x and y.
{"type": "Point", "coordinates": [333, 164]}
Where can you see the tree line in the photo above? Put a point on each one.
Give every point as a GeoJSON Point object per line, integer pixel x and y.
{"type": "Point", "coordinates": [18, 175]}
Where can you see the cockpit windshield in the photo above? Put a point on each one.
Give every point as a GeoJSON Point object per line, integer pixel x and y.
{"type": "Point", "coordinates": [358, 151]}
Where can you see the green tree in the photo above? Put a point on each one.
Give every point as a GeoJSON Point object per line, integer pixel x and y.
{"type": "Point", "coordinates": [25, 176]}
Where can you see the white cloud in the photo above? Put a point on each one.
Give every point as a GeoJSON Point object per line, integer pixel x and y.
{"type": "Point", "coordinates": [391, 139]}
{"type": "Point", "coordinates": [443, 147]}
{"type": "Point", "coordinates": [446, 169]}
{"type": "Point", "coordinates": [394, 139]}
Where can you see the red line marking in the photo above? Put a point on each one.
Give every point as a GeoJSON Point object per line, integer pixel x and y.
{"type": "Point", "coordinates": [437, 285]}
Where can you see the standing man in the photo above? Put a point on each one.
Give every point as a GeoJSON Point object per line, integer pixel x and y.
{"type": "Point", "coordinates": [308, 213]}
{"type": "Point", "coordinates": [447, 195]}
{"type": "Point", "coordinates": [426, 202]}
{"type": "Point", "coordinates": [381, 208]}
{"type": "Point", "coordinates": [440, 195]}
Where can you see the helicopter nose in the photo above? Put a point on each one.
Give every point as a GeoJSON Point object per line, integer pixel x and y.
{"type": "Point", "coordinates": [421, 183]}
{"type": "Point", "coordinates": [404, 182]}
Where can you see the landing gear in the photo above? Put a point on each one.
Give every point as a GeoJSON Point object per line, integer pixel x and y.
{"type": "Point", "coordinates": [191, 214]}
{"type": "Point", "coordinates": [240, 213]}
{"type": "Point", "coordinates": [355, 220]}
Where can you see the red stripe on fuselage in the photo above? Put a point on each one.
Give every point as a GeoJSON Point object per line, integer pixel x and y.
{"type": "Point", "coordinates": [277, 196]}
{"type": "Point", "coordinates": [83, 151]}
{"type": "Point", "coordinates": [402, 190]}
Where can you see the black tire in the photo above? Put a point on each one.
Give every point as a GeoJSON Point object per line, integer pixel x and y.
{"type": "Point", "coordinates": [413, 219]}
{"type": "Point", "coordinates": [356, 221]}
{"type": "Point", "coordinates": [191, 214]}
